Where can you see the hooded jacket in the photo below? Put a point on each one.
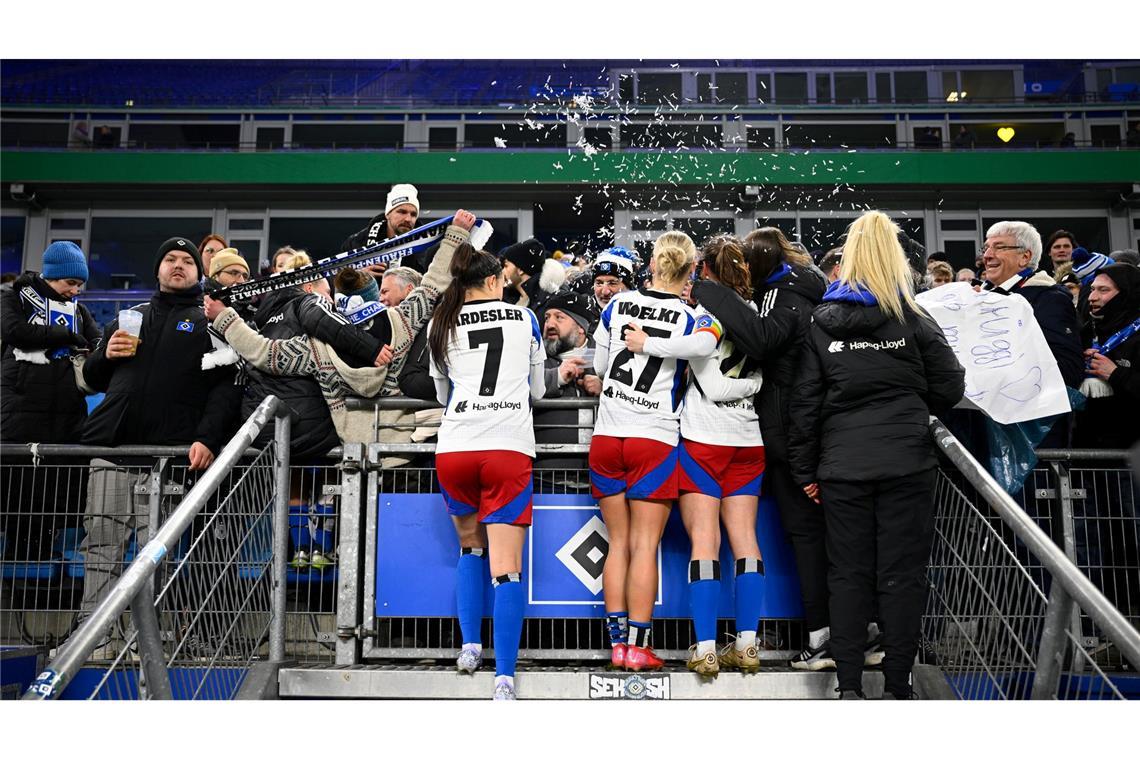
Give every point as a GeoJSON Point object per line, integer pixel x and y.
{"type": "Point", "coordinates": [1113, 421]}
{"type": "Point", "coordinates": [39, 399]}
{"type": "Point", "coordinates": [773, 336]}
{"type": "Point", "coordinates": [162, 395]}
{"type": "Point", "coordinates": [866, 387]}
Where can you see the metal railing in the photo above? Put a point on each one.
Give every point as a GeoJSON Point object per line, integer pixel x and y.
{"type": "Point", "coordinates": [999, 629]}
{"type": "Point", "coordinates": [206, 593]}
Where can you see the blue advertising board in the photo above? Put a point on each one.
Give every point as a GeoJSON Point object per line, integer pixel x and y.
{"type": "Point", "coordinates": [416, 554]}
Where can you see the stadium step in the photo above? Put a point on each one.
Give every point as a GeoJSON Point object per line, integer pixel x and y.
{"type": "Point", "coordinates": [583, 682]}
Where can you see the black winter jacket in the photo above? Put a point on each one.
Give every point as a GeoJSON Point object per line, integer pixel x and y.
{"type": "Point", "coordinates": [1113, 422]}
{"type": "Point", "coordinates": [1053, 308]}
{"type": "Point", "coordinates": [866, 387]}
{"type": "Point", "coordinates": [288, 313]}
{"type": "Point", "coordinates": [415, 379]}
{"type": "Point", "coordinates": [162, 396]}
{"type": "Point", "coordinates": [773, 336]}
{"type": "Point", "coordinates": [40, 402]}
{"type": "Point", "coordinates": [376, 231]}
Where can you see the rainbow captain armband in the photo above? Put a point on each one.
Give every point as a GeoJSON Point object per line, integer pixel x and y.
{"type": "Point", "coordinates": [707, 323]}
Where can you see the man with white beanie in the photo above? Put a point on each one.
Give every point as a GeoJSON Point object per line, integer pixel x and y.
{"type": "Point", "coordinates": [401, 211]}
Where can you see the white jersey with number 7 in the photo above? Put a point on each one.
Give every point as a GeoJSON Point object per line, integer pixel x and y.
{"type": "Point", "coordinates": [494, 359]}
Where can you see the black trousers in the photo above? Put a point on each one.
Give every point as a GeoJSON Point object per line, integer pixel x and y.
{"type": "Point", "coordinates": [878, 541]}
{"type": "Point", "coordinates": [804, 525]}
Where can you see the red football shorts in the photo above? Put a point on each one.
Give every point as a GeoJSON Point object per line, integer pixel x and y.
{"type": "Point", "coordinates": [496, 484]}
{"type": "Point", "coordinates": [721, 471]}
{"type": "Point", "coordinates": [641, 467]}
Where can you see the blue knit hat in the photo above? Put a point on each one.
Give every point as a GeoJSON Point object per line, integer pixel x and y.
{"type": "Point", "coordinates": [1086, 265]}
{"type": "Point", "coordinates": [63, 260]}
{"type": "Point", "coordinates": [370, 291]}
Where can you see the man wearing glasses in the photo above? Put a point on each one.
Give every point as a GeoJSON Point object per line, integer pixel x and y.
{"type": "Point", "coordinates": [1010, 259]}
{"type": "Point", "coordinates": [229, 268]}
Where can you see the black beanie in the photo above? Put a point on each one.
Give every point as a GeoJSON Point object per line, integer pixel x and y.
{"type": "Point", "coordinates": [179, 244]}
{"type": "Point", "coordinates": [579, 306]}
{"type": "Point", "coordinates": [529, 256]}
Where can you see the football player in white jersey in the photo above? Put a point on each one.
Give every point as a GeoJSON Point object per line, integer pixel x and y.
{"type": "Point", "coordinates": [633, 452]}
{"type": "Point", "coordinates": [721, 465]}
{"type": "Point", "coordinates": [487, 361]}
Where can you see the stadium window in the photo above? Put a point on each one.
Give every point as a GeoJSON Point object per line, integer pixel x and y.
{"type": "Point", "coordinates": [668, 135]}
{"type": "Point", "coordinates": [704, 88]}
{"type": "Point", "coordinates": [348, 135]}
{"type": "Point", "coordinates": [950, 89]}
{"type": "Point", "coordinates": [625, 88]}
{"type": "Point", "coordinates": [600, 137]}
{"type": "Point", "coordinates": [1026, 134]}
{"type": "Point", "coordinates": [1103, 79]}
{"type": "Point", "coordinates": [12, 244]}
{"type": "Point", "coordinates": [1105, 135]}
{"type": "Point", "coordinates": [883, 87]}
{"type": "Point", "coordinates": [910, 87]}
{"type": "Point", "coordinates": [701, 228]}
{"type": "Point", "coordinates": [822, 233]}
{"type": "Point", "coordinates": [442, 138]}
{"type": "Point", "coordinates": [542, 135]}
{"type": "Point", "coordinates": [33, 134]}
{"type": "Point", "coordinates": [823, 88]}
{"type": "Point", "coordinates": [732, 88]}
{"type": "Point", "coordinates": [659, 89]}
{"type": "Point", "coordinates": [761, 138]}
{"type": "Point", "coordinates": [839, 135]}
{"type": "Point", "coordinates": [270, 138]}
{"type": "Point", "coordinates": [988, 86]}
{"type": "Point", "coordinates": [763, 87]}
{"type": "Point", "coordinates": [151, 135]}
{"type": "Point", "coordinates": [1128, 75]}
{"type": "Point", "coordinates": [851, 87]}
{"type": "Point", "coordinates": [791, 87]}
{"type": "Point", "coordinates": [121, 244]}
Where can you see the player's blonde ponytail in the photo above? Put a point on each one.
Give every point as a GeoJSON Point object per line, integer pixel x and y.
{"type": "Point", "coordinates": [673, 256]}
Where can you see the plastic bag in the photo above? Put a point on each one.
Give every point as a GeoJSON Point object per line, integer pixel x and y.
{"type": "Point", "coordinates": [1011, 447]}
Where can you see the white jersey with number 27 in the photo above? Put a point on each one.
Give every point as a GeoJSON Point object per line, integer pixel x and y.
{"type": "Point", "coordinates": [494, 366]}
{"type": "Point", "coordinates": [642, 394]}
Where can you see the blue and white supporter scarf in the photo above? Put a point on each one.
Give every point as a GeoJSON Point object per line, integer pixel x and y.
{"type": "Point", "coordinates": [46, 311]}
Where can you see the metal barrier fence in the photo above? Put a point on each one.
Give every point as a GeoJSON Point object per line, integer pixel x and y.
{"type": "Point", "coordinates": [217, 561]}
{"type": "Point", "coordinates": [992, 619]}
{"type": "Point", "coordinates": [1002, 628]}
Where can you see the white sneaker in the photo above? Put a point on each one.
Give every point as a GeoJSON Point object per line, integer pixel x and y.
{"type": "Point", "coordinates": [818, 658]}
{"type": "Point", "coordinates": [469, 660]}
{"type": "Point", "coordinates": [504, 690]}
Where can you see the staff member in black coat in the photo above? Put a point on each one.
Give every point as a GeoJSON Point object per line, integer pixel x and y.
{"type": "Point", "coordinates": [42, 330]}
{"type": "Point", "coordinates": [1112, 418]}
{"type": "Point", "coordinates": [158, 392]}
{"type": "Point", "coordinates": [785, 296]}
{"type": "Point", "coordinates": [874, 367]}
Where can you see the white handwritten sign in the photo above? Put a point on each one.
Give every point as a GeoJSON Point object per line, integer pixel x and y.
{"type": "Point", "coordinates": [1010, 373]}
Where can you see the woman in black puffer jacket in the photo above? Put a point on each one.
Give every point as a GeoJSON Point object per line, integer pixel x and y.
{"type": "Point", "coordinates": [874, 367]}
